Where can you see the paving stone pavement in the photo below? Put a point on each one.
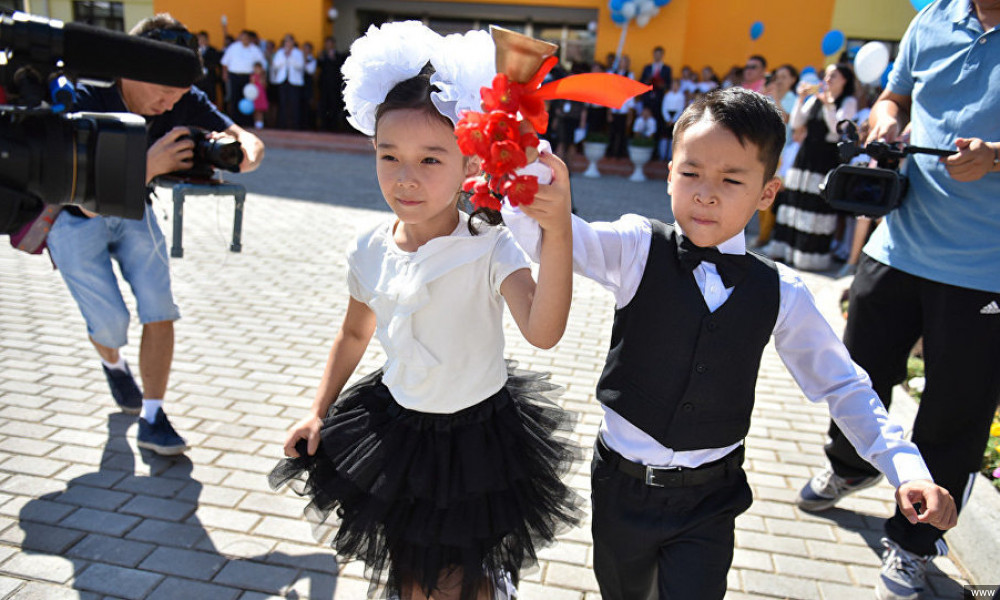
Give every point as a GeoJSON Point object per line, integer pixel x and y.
{"type": "Point", "coordinates": [84, 514]}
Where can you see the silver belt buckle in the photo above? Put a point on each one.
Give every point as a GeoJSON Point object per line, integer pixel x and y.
{"type": "Point", "coordinates": [651, 474]}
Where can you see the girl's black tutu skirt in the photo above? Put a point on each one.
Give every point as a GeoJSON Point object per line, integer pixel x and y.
{"type": "Point", "coordinates": [440, 500]}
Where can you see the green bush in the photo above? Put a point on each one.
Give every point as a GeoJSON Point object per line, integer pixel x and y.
{"type": "Point", "coordinates": [991, 457]}
{"type": "Point", "coordinates": [642, 142]}
{"type": "Point", "coordinates": [596, 137]}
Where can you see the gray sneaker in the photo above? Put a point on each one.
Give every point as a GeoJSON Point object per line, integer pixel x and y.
{"type": "Point", "coordinates": [827, 488]}
{"type": "Point", "coordinates": [903, 575]}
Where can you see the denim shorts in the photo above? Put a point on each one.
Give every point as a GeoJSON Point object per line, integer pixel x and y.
{"type": "Point", "coordinates": [82, 249]}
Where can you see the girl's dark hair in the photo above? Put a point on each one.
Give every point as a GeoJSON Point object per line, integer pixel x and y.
{"type": "Point", "coordinates": [415, 94]}
{"type": "Point", "coordinates": [753, 118]}
{"type": "Point", "coordinates": [848, 74]}
{"type": "Point", "coordinates": [791, 71]}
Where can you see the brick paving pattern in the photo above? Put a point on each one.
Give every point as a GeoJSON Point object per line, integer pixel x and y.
{"type": "Point", "coordinates": [85, 514]}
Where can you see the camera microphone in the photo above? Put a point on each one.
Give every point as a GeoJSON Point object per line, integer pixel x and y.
{"type": "Point", "coordinates": [97, 53]}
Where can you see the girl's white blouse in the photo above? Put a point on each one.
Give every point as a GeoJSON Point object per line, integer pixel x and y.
{"type": "Point", "coordinates": [439, 312]}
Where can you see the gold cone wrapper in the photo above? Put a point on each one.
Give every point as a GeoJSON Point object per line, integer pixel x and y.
{"type": "Point", "coordinates": [519, 56]}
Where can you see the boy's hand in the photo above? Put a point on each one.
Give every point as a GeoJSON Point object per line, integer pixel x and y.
{"type": "Point", "coordinates": [307, 429]}
{"type": "Point", "coordinates": [937, 505]}
{"type": "Point", "coordinates": [552, 204]}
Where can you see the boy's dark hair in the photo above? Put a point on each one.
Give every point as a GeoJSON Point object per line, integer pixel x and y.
{"type": "Point", "coordinates": [415, 94]}
{"type": "Point", "coordinates": [753, 118]}
{"type": "Point", "coordinates": [758, 57]}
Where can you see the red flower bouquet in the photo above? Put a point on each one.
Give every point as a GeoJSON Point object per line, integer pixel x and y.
{"type": "Point", "coordinates": [503, 141]}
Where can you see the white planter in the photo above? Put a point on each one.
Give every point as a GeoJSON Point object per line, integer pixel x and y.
{"type": "Point", "coordinates": [594, 151]}
{"type": "Point", "coordinates": [639, 156]}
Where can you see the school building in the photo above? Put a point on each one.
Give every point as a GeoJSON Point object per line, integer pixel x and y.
{"type": "Point", "coordinates": [698, 33]}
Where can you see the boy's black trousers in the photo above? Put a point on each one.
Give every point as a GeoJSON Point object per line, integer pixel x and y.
{"type": "Point", "coordinates": [889, 311]}
{"type": "Point", "coordinates": [663, 543]}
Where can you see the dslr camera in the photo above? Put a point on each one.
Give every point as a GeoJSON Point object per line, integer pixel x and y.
{"type": "Point", "coordinates": [210, 152]}
{"type": "Point", "coordinates": [49, 155]}
{"type": "Point", "coordinates": [868, 191]}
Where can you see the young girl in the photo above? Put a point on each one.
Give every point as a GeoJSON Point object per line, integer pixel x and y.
{"type": "Point", "coordinates": [442, 466]}
{"type": "Point", "coordinates": [259, 79]}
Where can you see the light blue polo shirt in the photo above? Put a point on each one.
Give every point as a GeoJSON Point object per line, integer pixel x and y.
{"type": "Point", "coordinates": [947, 231]}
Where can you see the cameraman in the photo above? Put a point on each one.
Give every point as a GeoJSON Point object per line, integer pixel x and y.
{"type": "Point", "coordinates": [932, 270]}
{"type": "Point", "coordinates": [83, 244]}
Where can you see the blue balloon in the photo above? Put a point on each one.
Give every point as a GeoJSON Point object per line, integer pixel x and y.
{"type": "Point", "coordinates": [885, 76]}
{"type": "Point", "coordinates": [661, 2]}
{"type": "Point", "coordinates": [618, 17]}
{"type": "Point", "coordinates": [246, 106]}
{"type": "Point", "coordinates": [756, 30]}
{"type": "Point", "coordinates": [832, 42]}
{"type": "Point", "coordinates": [919, 5]}
{"type": "Point", "coordinates": [616, 5]}
{"type": "Point", "coordinates": [808, 70]}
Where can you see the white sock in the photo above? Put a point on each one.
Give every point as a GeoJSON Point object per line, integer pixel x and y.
{"type": "Point", "coordinates": [150, 408]}
{"type": "Point", "coordinates": [121, 365]}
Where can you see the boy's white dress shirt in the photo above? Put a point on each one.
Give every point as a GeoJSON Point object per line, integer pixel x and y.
{"type": "Point", "coordinates": [614, 255]}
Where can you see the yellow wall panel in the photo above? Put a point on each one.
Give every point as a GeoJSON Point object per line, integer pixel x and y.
{"type": "Point", "coordinates": [305, 19]}
{"type": "Point", "coordinates": [719, 34]}
{"type": "Point", "coordinates": [200, 15]}
{"type": "Point", "coordinates": [868, 19]}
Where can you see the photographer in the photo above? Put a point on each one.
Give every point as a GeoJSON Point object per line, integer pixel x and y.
{"type": "Point", "coordinates": [932, 270]}
{"type": "Point", "coordinates": [83, 244]}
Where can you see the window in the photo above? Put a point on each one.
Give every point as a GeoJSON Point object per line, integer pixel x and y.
{"type": "Point", "coordinates": [10, 6]}
{"type": "Point", "coordinates": [109, 15]}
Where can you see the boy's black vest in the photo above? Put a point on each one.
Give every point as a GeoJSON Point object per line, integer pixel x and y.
{"type": "Point", "coordinates": [678, 372]}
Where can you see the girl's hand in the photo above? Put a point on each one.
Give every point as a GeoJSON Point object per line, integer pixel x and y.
{"type": "Point", "coordinates": [805, 90]}
{"type": "Point", "coordinates": [553, 202]}
{"type": "Point", "coordinates": [307, 429]}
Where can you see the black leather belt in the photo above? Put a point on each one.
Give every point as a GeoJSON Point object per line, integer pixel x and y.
{"type": "Point", "coordinates": [672, 476]}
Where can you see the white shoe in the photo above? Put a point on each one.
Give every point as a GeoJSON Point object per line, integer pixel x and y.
{"type": "Point", "coordinates": [903, 575]}
{"type": "Point", "coordinates": [827, 488]}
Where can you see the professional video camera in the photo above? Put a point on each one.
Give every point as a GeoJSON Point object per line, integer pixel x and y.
{"type": "Point", "coordinates": [47, 155]}
{"type": "Point", "coordinates": [869, 191]}
{"type": "Point", "coordinates": [211, 152]}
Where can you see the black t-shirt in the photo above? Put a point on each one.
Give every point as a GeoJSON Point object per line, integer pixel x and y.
{"type": "Point", "coordinates": [194, 108]}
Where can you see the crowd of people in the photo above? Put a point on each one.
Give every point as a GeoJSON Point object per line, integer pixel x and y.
{"type": "Point", "coordinates": [800, 229]}
{"type": "Point", "coordinates": [292, 85]}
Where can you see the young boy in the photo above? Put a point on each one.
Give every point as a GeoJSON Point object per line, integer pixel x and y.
{"type": "Point", "coordinates": [693, 314]}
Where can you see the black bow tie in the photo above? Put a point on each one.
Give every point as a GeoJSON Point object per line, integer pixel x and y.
{"type": "Point", "coordinates": [731, 267]}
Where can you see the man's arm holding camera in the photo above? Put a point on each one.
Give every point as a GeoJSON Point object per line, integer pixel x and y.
{"type": "Point", "coordinates": [974, 157]}
{"type": "Point", "coordinates": [253, 148]}
{"type": "Point", "coordinates": [888, 115]}
{"type": "Point", "coordinates": [172, 152]}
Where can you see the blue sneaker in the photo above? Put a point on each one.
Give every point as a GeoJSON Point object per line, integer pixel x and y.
{"type": "Point", "coordinates": [160, 437]}
{"type": "Point", "coordinates": [126, 393]}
